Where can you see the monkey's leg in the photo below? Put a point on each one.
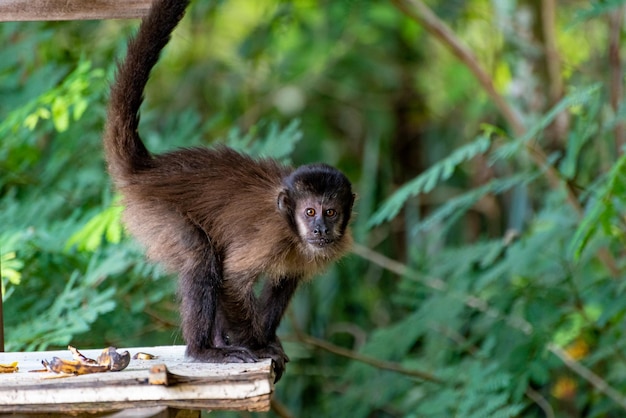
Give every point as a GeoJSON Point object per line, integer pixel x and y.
{"type": "Point", "coordinates": [247, 321]}
{"type": "Point", "coordinates": [202, 330]}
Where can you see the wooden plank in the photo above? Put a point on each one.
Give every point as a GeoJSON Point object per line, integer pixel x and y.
{"type": "Point", "coordinates": [241, 386]}
{"type": "Point", "coordinates": [23, 10]}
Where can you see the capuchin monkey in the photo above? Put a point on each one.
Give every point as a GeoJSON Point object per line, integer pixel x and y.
{"type": "Point", "coordinates": [221, 220]}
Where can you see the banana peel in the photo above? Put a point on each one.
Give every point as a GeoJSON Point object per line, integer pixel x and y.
{"type": "Point", "coordinates": [109, 360]}
{"type": "Point", "coordinates": [9, 368]}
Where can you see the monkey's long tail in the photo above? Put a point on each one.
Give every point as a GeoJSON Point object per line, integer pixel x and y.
{"type": "Point", "coordinates": [125, 152]}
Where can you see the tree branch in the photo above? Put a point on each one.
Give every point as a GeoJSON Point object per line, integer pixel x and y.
{"type": "Point", "coordinates": [561, 123]}
{"type": "Point", "coordinates": [540, 401]}
{"type": "Point", "coordinates": [587, 374]}
{"type": "Point", "coordinates": [374, 362]}
{"type": "Point", "coordinates": [615, 79]}
{"type": "Point", "coordinates": [280, 409]}
{"type": "Point", "coordinates": [553, 62]}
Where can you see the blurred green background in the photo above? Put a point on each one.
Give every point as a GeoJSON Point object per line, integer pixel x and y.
{"type": "Point", "coordinates": [488, 279]}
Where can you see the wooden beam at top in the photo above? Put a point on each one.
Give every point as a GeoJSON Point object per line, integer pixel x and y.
{"type": "Point", "coordinates": [25, 10]}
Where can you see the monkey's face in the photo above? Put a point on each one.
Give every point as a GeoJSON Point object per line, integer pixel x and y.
{"type": "Point", "coordinates": [319, 222]}
{"type": "Point", "coordinates": [317, 203]}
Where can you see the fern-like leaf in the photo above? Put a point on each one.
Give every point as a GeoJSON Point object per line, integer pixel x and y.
{"type": "Point", "coordinates": [106, 224]}
{"type": "Point", "coordinates": [277, 143]}
{"type": "Point", "coordinates": [603, 209]}
{"type": "Point", "coordinates": [429, 179]}
{"type": "Point", "coordinates": [577, 97]}
{"type": "Point", "coordinates": [460, 204]}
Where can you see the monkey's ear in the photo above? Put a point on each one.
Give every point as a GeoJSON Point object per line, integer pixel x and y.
{"type": "Point", "coordinates": [284, 202]}
{"type": "Point", "coordinates": [349, 202]}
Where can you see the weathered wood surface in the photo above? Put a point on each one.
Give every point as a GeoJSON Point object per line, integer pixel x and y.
{"type": "Point", "coordinates": [21, 10]}
{"type": "Point", "coordinates": [245, 386]}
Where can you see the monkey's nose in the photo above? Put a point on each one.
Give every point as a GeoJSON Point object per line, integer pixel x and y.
{"type": "Point", "coordinates": [320, 230]}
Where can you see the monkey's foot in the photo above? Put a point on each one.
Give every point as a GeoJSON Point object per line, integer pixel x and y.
{"type": "Point", "coordinates": [277, 354]}
{"type": "Point", "coordinates": [224, 355]}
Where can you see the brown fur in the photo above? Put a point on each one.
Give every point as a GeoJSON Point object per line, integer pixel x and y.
{"type": "Point", "coordinates": [221, 189]}
{"type": "Point", "coordinates": [220, 219]}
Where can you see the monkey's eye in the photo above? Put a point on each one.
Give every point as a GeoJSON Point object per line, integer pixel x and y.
{"type": "Point", "coordinates": [310, 212]}
{"type": "Point", "coordinates": [331, 213]}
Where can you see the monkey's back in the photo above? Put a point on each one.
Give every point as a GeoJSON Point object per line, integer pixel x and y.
{"type": "Point", "coordinates": [189, 197]}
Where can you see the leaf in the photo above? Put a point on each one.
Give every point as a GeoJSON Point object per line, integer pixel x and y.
{"type": "Point", "coordinates": [427, 181]}
{"type": "Point", "coordinates": [106, 224]}
{"type": "Point", "coordinates": [68, 315]}
{"type": "Point", "coordinates": [80, 106]}
{"type": "Point", "coordinates": [585, 128]}
{"type": "Point", "coordinates": [597, 9]}
{"type": "Point", "coordinates": [602, 208]}
{"type": "Point", "coordinates": [277, 143]}
{"type": "Point", "coordinates": [60, 114]}
{"type": "Point", "coordinates": [577, 97]}
{"type": "Point", "coordinates": [460, 204]}
{"type": "Point", "coordinates": [55, 104]}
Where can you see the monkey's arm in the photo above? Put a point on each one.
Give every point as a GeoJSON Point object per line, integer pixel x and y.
{"type": "Point", "coordinates": [273, 301]}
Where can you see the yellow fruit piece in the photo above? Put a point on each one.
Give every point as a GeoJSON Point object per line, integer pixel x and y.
{"type": "Point", "coordinates": [9, 368]}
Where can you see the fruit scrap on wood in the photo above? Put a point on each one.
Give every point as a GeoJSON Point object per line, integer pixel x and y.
{"type": "Point", "coordinates": [109, 360]}
{"type": "Point", "coordinates": [144, 356]}
{"type": "Point", "coordinates": [9, 368]}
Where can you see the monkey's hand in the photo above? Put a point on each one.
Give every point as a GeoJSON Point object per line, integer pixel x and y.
{"type": "Point", "coordinates": [229, 354]}
{"type": "Point", "coordinates": [274, 350]}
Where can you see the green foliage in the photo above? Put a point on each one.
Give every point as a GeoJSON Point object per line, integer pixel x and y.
{"type": "Point", "coordinates": [457, 206]}
{"type": "Point", "coordinates": [428, 180]}
{"type": "Point", "coordinates": [607, 203]}
{"type": "Point", "coordinates": [10, 266]}
{"type": "Point", "coordinates": [482, 253]}
{"type": "Point", "coordinates": [106, 224]}
{"type": "Point", "coordinates": [62, 104]}
{"type": "Point", "coordinates": [597, 9]}
{"type": "Point", "coordinates": [486, 391]}
{"type": "Point", "coordinates": [68, 315]}
{"type": "Point", "coordinates": [276, 143]}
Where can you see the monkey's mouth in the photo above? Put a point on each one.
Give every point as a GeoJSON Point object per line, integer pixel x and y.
{"type": "Point", "coordinates": [319, 242]}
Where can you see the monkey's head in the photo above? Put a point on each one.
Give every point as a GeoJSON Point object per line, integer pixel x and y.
{"type": "Point", "coordinates": [317, 202]}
